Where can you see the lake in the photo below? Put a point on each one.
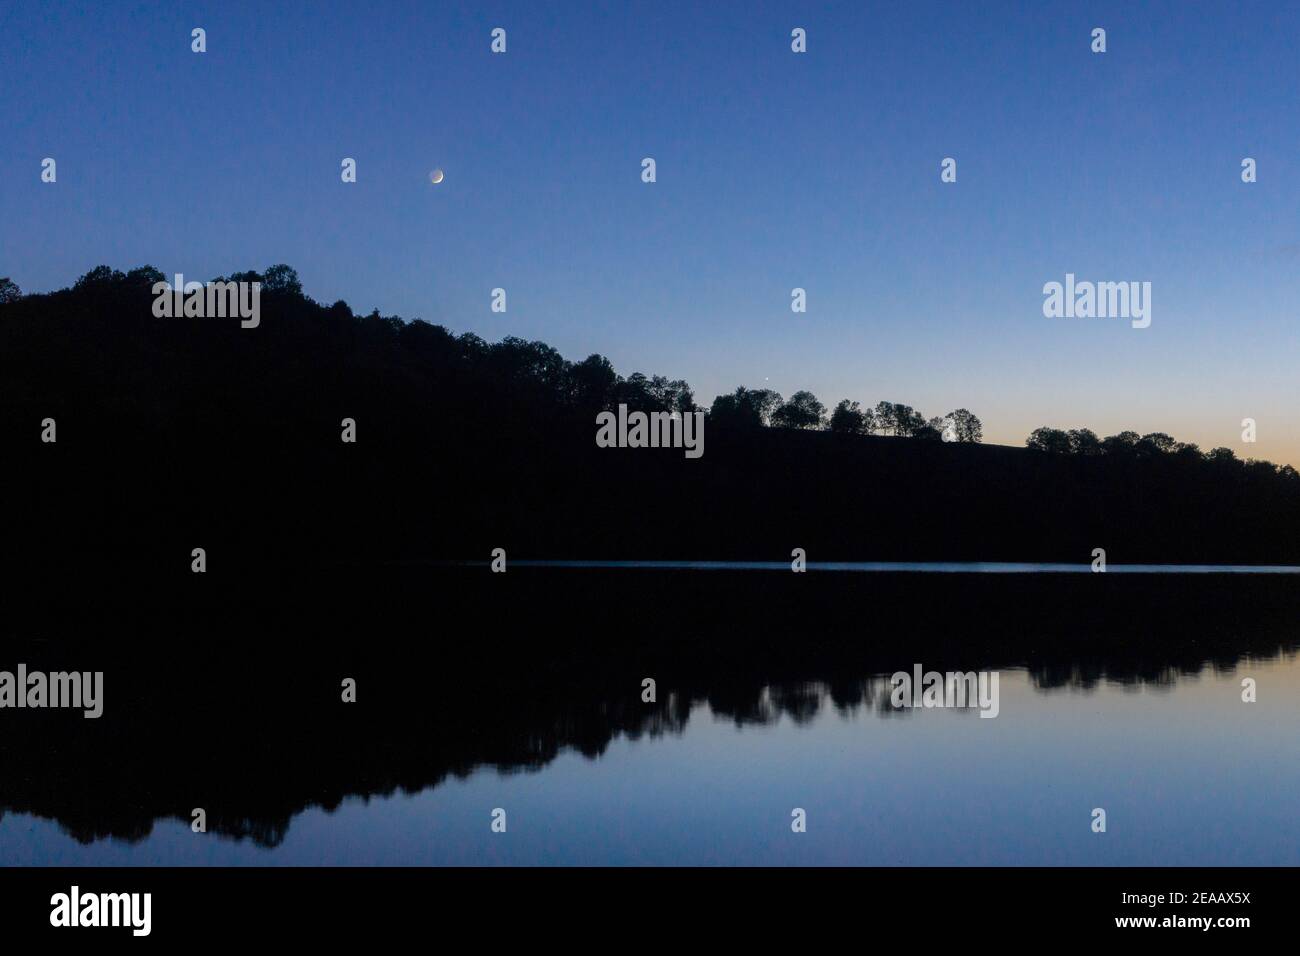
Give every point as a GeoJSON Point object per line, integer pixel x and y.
{"type": "Point", "coordinates": [773, 693]}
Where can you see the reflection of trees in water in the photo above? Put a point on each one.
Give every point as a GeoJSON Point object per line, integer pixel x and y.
{"type": "Point", "coordinates": [253, 730]}
{"type": "Point", "coordinates": [1155, 673]}
{"type": "Point", "coordinates": [802, 701]}
{"type": "Point", "coordinates": [267, 770]}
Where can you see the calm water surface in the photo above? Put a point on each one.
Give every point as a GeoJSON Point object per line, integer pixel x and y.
{"type": "Point", "coordinates": [1187, 773]}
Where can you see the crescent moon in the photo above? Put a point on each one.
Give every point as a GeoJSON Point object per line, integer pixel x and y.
{"type": "Point", "coordinates": [435, 177]}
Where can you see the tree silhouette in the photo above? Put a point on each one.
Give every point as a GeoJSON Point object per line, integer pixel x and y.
{"type": "Point", "coordinates": [908, 421]}
{"type": "Point", "coordinates": [965, 425]}
{"type": "Point", "coordinates": [145, 277]}
{"type": "Point", "coordinates": [892, 418]}
{"type": "Point", "coordinates": [803, 410]}
{"type": "Point", "coordinates": [592, 382]}
{"type": "Point", "coordinates": [1260, 468]}
{"type": "Point", "coordinates": [928, 431]}
{"type": "Point", "coordinates": [1050, 440]}
{"type": "Point", "coordinates": [1084, 441]}
{"type": "Point", "coordinates": [653, 394]}
{"type": "Point", "coordinates": [1123, 443]}
{"type": "Point", "coordinates": [1154, 446]}
{"type": "Point", "coordinates": [281, 278]}
{"type": "Point", "coordinates": [100, 276]}
{"type": "Point", "coordinates": [849, 419]}
{"type": "Point", "coordinates": [745, 408]}
{"type": "Point", "coordinates": [1156, 443]}
{"type": "Point", "coordinates": [883, 417]}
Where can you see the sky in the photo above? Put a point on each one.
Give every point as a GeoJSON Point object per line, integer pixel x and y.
{"type": "Point", "coordinates": [775, 170]}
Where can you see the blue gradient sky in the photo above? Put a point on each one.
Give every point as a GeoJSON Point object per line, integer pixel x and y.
{"type": "Point", "coordinates": [775, 170]}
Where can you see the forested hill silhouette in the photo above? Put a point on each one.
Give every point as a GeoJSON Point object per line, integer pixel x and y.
{"type": "Point", "coordinates": [177, 433]}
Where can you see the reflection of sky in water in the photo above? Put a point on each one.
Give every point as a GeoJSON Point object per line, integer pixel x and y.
{"type": "Point", "coordinates": [1188, 775]}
